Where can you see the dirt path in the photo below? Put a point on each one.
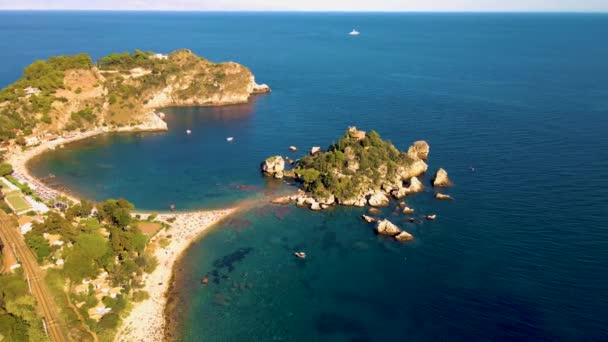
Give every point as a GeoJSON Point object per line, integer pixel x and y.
{"type": "Point", "coordinates": [48, 310]}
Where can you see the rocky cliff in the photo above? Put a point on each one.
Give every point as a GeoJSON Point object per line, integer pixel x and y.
{"type": "Point", "coordinates": [69, 93]}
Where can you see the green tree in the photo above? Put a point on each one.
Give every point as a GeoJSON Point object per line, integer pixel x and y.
{"type": "Point", "coordinates": [116, 212]}
{"type": "Point", "coordinates": [54, 223]}
{"type": "Point", "coordinates": [5, 169]}
{"type": "Point", "coordinates": [86, 257]}
{"type": "Point", "coordinates": [18, 318]}
{"type": "Point", "coordinates": [78, 267]}
{"type": "Point", "coordinates": [38, 244]}
{"type": "Point", "coordinates": [82, 209]}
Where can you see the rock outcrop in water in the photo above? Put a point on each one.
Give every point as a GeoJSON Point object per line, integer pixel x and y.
{"type": "Point", "coordinates": [386, 227]}
{"type": "Point", "coordinates": [441, 196]}
{"type": "Point", "coordinates": [441, 178]}
{"type": "Point", "coordinates": [274, 167]}
{"type": "Point", "coordinates": [378, 199]}
{"type": "Point", "coordinates": [419, 150]}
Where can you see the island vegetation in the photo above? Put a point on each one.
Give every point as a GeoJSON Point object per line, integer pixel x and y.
{"type": "Point", "coordinates": [360, 168]}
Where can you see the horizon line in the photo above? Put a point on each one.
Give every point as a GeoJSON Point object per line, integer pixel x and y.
{"type": "Point", "coordinates": [304, 11]}
{"type": "Point", "coordinates": [293, 11]}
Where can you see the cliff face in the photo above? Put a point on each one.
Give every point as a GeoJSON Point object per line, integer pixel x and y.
{"type": "Point", "coordinates": [202, 83]}
{"type": "Point", "coordinates": [122, 90]}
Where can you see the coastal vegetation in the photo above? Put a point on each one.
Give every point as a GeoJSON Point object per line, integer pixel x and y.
{"type": "Point", "coordinates": [18, 318]}
{"type": "Point", "coordinates": [30, 99]}
{"type": "Point", "coordinates": [97, 252]}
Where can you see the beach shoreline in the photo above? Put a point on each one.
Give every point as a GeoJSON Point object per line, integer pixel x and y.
{"type": "Point", "coordinates": [19, 158]}
{"type": "Point", "coordinates": [147, 321]}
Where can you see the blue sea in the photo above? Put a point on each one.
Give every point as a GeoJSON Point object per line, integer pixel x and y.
{"type": "Point", "coordinates": [520, 254]}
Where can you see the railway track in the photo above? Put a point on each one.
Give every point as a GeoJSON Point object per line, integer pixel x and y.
{"type": "Point", "coordinates": [46, 306]}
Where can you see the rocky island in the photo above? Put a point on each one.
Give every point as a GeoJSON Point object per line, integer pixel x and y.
{"type": "Point", "coordinates": [120, 92]}
{"type": "Point", "coordinates": [361, 169]}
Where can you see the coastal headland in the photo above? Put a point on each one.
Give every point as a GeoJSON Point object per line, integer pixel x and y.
{"type": "Point", "coordinates": [70, 98]}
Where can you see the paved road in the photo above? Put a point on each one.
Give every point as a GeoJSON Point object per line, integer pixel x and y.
{"type": "Point", "coordinates": [48, 310]}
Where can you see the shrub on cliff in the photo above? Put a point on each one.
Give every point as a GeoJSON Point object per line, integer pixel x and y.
{"type": "Point", "coordinates": [126, 61]}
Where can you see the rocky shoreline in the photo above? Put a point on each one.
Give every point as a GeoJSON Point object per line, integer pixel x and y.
{"type": "Point", "coordinates": [404, 183]}
{"type": "Point", "coordinates": [407, 182]}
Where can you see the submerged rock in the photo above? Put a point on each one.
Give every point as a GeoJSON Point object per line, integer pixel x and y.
{"type": "Point", "coordinates": [441, 178]}
{"type": "Point", "coordinates": [374, 211]}
{"type": "Point", "coordinates": [443, 197]}
{"type": "Point", "coordinates": [281, 200]}
{"type": "Point", "coordinates": [369, 219]}
{"type": "Point", "coordinates": [386, 227]}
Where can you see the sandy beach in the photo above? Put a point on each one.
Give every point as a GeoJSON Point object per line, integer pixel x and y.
{"type": "Point", "coordinates": [146, 322]}
{"type": "Point", "coordinates": [19, 158]}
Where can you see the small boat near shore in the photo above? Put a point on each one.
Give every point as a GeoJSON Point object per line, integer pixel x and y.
{"type": "Point", "coordinates": [188, 132]}
{"type": "Point", "coordinates": [354, 33]}
{"type": "Point", "coordinates": [229, 139]}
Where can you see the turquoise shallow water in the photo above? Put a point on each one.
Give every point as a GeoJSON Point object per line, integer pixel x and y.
{"type": "Point", "coordinates": [519, 255]}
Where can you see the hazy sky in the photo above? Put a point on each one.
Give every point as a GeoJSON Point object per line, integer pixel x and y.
{"type": "Point", "coordinates": [316, 5]}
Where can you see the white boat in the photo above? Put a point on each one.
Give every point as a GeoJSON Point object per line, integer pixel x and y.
{"type": "Point", "coordinates": [229, 139]}
{"type": "Point", "coordinates": [354, 33]}
{"type": "Point", "coordinates": [188, 131]}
